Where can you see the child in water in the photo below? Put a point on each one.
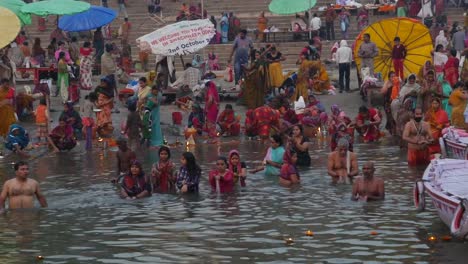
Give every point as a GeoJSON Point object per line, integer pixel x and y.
{"type": "Point", "coordinates": [189, 174]}
{"type": "Point", "coordinates": [125, 156]}
{"type": "Point", "coordinates": [163, 172]}
{"type": "Point", "coordinates": [221, 179]}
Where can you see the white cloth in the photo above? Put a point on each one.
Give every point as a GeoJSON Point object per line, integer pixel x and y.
{"type": "Point", "coordinates": [344, 54]}
{"type": "Point", "coordinates": [440, 59]}
{"type": "Point", "coordinates": [426, 9]}
{"type": "Point", "coordinates": [441, 40]}
{"type": "Point", "coordinates": [315, 23]}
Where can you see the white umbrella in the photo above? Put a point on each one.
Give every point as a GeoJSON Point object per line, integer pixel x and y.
{"type": "Point", "coordinates": [180, 38]}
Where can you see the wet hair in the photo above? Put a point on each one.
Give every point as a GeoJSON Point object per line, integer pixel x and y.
{"type": "Point", "coordinates": [142, 79]}
{"type": "Point", "coordinates": [277, 138]}
{"type": "Point", "coordinates": [223, 159]}
{"type": "Point", "coordinates": [396, 39]}
{"type": "Point", "coordinates": [87, 44]}
{"type": "Point", "coordinates": [363, 109]}
{"type": "Point", "coordinates": [19, 164]}
{"type": "Point", "coordinates": [192, 167]}
{"type": "Point", "coordinates": [453, 52]}
{"type": "Point", "coordinates": [343, 142]}
{"type": "Point", "coordinates": [228, 106]}
{"type": "Point", "coordinates": [164, 148]}
{"type": "Point", "coordinates": [298, 126]}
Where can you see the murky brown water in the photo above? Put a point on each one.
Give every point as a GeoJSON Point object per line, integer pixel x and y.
{"type": "Point", "coordinates": [87, 222]}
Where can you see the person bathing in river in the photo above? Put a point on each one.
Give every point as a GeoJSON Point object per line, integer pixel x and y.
{"type": "Point", "coordinates": [367, 123]}
{"type": "Point", "coordinates": [274, 157]}
{"type": "Point", "coordinates": [221, 179]}
{"type": "Point", "coordinates": [135, 184]}
{"type": "Point", "coordinates": [20, 191]}
{"type": "Point", "coordinates": [189, 174]}
{"type": "Point", "coordinates": [237, 167]}
{"type": "Point", "coordinates": [368, 187]}
{"type": "Point", "coordinates": [418, 135]}
{"type": "Point", "coordinates": [300, 145]}
{"type": "Point", "coordinates": [125, 157]}
{"type": "Point", "coordinates": [228, 122]}
{"type": "Point", "coordinates": [342, 163]}
{"type": "Point", "coordinates": [163, 172]}
{"type": "Point", "coordinates": [289, 174]}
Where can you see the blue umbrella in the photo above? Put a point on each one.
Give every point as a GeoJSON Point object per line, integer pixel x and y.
{"type": "Point", "coordinates": [95, 17]}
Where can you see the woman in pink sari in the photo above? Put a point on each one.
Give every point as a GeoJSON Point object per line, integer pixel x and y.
{"type": "Point", "coordinates": [211, 107]}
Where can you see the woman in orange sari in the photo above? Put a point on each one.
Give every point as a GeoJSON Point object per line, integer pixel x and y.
{"type": "Point", "coordinates": [458, 100]}
{"type": "Point", "coordinates": [7, 113]}
{"type": "Point", "coordinates": [262, 24]}
{"type": "Point", "coordinates": [438, 120]}
{"type": "Point", "coordinates": [105, 102]}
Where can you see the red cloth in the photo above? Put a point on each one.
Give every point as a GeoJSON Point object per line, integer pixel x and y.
{"type": "Point", "coordinates": [228, 122]}
{"type": "Point", "coordinates": [165, 176]}
{"type": "Point", "coordinates": [369, 132]}
{"type": "Point", "coordinates": [399, 69]}
{"type": "Point", "coordinates": [265, 118]}
{"type": "Point", "coordinates": [451, 70]}
{"type": "Point", "coordinates": [85, 51]}
{"type": "Point", "coordinates": [399, 52]}
{"type": "Point", "coordinates": [226, 183]}
{"type": "Point", "coordinates": [418, 157]}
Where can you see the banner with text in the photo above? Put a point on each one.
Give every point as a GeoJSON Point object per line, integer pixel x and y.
{"type": "Point", "coordinates": [179, 38]}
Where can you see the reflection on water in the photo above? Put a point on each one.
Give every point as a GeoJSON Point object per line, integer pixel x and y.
{"type": "Point", "coordinates": [86, 222]}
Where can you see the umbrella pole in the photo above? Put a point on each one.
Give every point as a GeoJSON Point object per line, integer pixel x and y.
{"type": "Point", "coordinates": [202, 8]}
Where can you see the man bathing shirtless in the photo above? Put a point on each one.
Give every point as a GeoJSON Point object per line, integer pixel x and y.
{"type": "Point", "coordinates": [368, 187]}
{"type": "Point", "coordinates": [418, 135]}
{"type": "Point", "coordinates": [342, 164]}
{"type": "Point", "coordinates": [20, 191]}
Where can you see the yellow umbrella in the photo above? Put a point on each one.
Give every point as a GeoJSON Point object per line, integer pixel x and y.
{"type": "Point", "coordinates": [10, 26]}
{"type": "Point", "coordinates": [413, 34]}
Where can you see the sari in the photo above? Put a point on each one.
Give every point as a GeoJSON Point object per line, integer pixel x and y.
{"type": "Point", "coordinates": [275, 71]}
{"type": "Point", "coordinates": [401, 8]}
{"type": "Point", "coordinates": [458, 108]}
{"type": "Point", "coordinates": [438, 120]}
{"type": "Point", "coordinates": [414, 8]}
{"type": "Point", "coordinates": [262, 24]}
{"type": "Point", "coordinates": [225, 184]}
{"type": "Point", "coordinates": [451, 70]}
{"type": "Point", "coordinates": [164, 178]}
{"type": "Point", "coordinates": [105, 103]}
{"type": "Point", "coordinates": [211, 108]}
{"type": "Point", "coordinates": [62, 80]}
{"type": "Point", "coordinates": [7, 113]}
{"type": "Point", "coordinates": [228, 122]}
{"type": "Point", "coordinates": [428, 66]}
{"type": "Point", "coordinates": [363, 19]}
{"type": "Point", "coordinates": [63, 137]}
{"type": "Point", "coordinates": [265, 119]}
{"type": "Point", "coordinates": [321, 81]}
{"type": "Point", "coordinates": [134, 185]}
{"type": "Point", "coordinates": [276, 155]}
{"type": "Point", "coordinates": [197, 119]}
{"type": "Point", "coordinates": [21, 139]}
{"type": "Point", "coordinates": [288, 168]}
{"type": "Point", "coordinates": [303, 76]}
{"type": "Point", "coordinates": [429, 90]}
{"type": "Point", "coordinates": [224, 28]}
{"type": "Point", "coordinates": [369, 133]}
{"type": "Point", "coordinates": [73, 119]}
{"type": "Point", "coordinates": [446, 91]}
{"type": "Point", "coordinates": [86, 68]}
{"type": "Point", "coordinates": [256, 84]}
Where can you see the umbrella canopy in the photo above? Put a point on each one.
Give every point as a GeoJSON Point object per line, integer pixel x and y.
{"type": "Point", "coordinates": [413, 35]}
{"type": "Point", "coordinates": [288, 7]}
{"type": "Point", "coordinates": [56, 7]}
{"type": "Point", "coordinates": [180, 38]}
{"type": "Point", "coordinates": [93, 18]}
{"type": "Point", "coordinates": [15, 6]}
{"type": "Point", "coordinates": [10, 26]}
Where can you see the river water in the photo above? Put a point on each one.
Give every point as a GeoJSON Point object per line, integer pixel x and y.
{"type": "Point", "coordinates": [87, 222]}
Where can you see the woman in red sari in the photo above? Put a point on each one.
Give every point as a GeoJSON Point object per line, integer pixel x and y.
{"type": "Point", "coordinates": [228, 122]}
{"type": "Point", "coordinates": [367, 123]}
{"type": "Point", "coordinates": [211, 108]}
{"type": "Point", "coordinates": [62, 138]}
{"type": "Point", "coordinates": [451, 68]}
{"type": "Point", "coordinates": [266, 118]}
{"type": "Point", "coordinates": [163, 172]}
{"type": "Point", "coordinates": [438, 120]}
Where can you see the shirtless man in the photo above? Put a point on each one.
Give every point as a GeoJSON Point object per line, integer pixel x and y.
{"type": "Point", "coordinates": [21, 190]}
{"type": "Point", "coordinates": [125, 156]}
{"type": "Point", "coordinates": [418, 135]}
{"type": "Point", "coordinates": [342, 164]}
{"type": "Point", "coordinates": [368, 187]}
